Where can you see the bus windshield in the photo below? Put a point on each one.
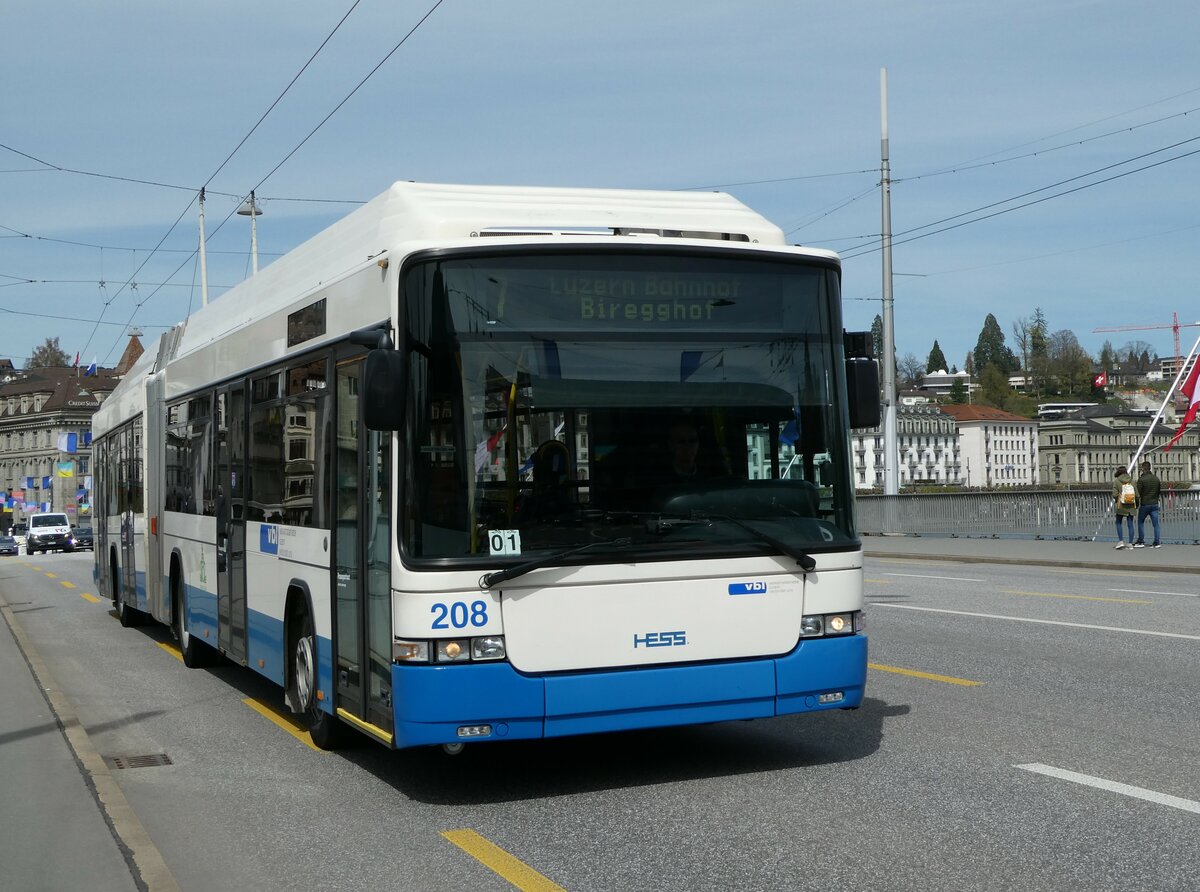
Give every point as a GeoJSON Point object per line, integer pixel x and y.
{"type": "Point", "coordinates": [686, 404]}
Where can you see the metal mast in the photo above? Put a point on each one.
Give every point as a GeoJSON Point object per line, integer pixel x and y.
{"type": "Point", "coordinates": [891, 446]}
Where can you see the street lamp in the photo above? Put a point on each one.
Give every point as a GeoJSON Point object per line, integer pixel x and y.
{"type": "Point", "coordinates": [252, 210]}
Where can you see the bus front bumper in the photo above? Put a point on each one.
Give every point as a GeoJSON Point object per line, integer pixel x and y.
{"type": "Point", "coordinates": [493, 701]}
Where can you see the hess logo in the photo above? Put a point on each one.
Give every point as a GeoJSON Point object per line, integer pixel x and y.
{"type": "Point", "coordinates": [660, 639]}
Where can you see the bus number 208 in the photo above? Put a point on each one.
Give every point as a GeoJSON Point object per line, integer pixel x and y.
{"type": "Point", "coordinates": [459, 615]}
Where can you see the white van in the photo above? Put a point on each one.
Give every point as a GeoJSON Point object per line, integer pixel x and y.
{"type": "Point", "coordinates": [49, 532]}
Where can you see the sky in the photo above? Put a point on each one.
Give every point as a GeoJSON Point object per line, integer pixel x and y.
{"type": "Point", "coordinates": [1043, 153]}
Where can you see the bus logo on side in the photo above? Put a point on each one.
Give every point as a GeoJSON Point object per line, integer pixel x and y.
{"type": "Point", "coordinates": [747, 588]}
{"type": "Point", "coordinates": [268, 539]}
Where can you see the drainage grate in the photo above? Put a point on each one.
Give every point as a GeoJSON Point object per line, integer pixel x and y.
{"type": "Point", "coordinates": [149, 761]}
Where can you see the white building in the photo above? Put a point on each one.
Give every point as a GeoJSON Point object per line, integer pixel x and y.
{"type": "Point", "coordinates": [997, 448]}
{"type": "Point", "coordinates": [928, 449]}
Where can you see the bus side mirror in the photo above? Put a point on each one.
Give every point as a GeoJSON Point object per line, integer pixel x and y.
{"type": "Point", "coordinates": [862, 388]}
{"type": "Point", "coordinates": [383, 390]}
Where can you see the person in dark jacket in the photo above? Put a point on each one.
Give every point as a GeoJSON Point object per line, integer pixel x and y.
{"type": "Point", "coordinates": [1124, 505]}
{"type": "Point", "coordinates": [1148, 489]}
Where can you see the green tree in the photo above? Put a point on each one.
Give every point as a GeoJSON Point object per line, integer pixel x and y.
{"type": "Point", "coordinates": [1108, 357]}
{"type": "Point", "coordinates": [990, 348]}
{"type": "Point", "coordinates": [48, 356]}
{"type": "Point", "coordinates": [993, 386]}
{"type": "Point", "coordinates": [877, 337]}
{"type": "Point", "coordinates": [936, 361]}
{"type": "Point", "coordinates": [1037, 351]}
{"type": "Point", "coordinates": [958, 392]}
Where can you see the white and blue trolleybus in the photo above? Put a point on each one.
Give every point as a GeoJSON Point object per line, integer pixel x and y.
{"type": "Point", "coordinates": [486, 463]}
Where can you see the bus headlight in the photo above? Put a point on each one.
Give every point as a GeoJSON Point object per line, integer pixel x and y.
{"type": "Point", "coordinates": [812, 626]}
{"type": "Point", "coordinates": [490, 647]}
{"type": "Point", "coordinates": [829, 625]}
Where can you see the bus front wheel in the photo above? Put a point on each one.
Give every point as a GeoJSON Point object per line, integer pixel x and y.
{"type": "Point", "coordinates": [326, 731]}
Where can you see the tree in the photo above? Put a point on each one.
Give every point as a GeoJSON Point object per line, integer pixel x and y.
{"type": "Point", "coordinates": [909, 370]}
{"type": "Point", "coordinates": [1069, 363]}
{"type": "Point", "coordinates": [1022, 329]}
{"type": "Point", "coordinates": [877, 337]}
{"type": "Point", "coordinates": [1108, 357]}
{"type": "Point", "coordinates": [958, 392]}
{"type": "Point", "coordinates": [936, 361]}
{"type": "Point", "coordinates": [1037, 351]}
{"type": "Point", "coordinates": [994, 387]}
{"type": "Point", "coordinates": [990, 348]}
{"type": "Point", "coordinates": [48, 356]}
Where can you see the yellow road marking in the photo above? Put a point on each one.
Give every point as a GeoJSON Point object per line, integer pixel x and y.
{"type": "Point", "coordinates": [879, 581]}
{"type": "Point", "coordinates": [89, 597]}
{"type": "Point", "coordinates": [52, 575]}
{"type": "Point", "coordinates": [500, 862]}
{"type": "Point", "coordinates": [172, 650]}
{"type": "Point", "coordinates": [66, 584]}
{"type": "Point", "coordinates": [1009, 591]}
{"type": "Point", "coordinates": [283, 721]}
{"type": "Point", "coordinates": [948, 679]}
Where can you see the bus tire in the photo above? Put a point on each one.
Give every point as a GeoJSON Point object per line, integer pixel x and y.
{"type": "Point", "coordinates": [195, 653]}
{"type": "Point", "coordinates": [129, 616]}
{"type": "Point", "coordinates": [327, 732]}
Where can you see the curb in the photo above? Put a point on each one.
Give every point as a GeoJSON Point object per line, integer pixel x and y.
{"type": "Point", "coordinates": [1026, 562]}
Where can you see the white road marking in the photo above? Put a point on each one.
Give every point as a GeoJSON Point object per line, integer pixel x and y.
{"type": "Point", "coordinates": [1045, 622]}
{"type": "Point", "coordinates": [918, 576]}
{"type": "Point", "coordinates": [1114, 787]}
{"type": "Point", "coordinates": [1134, 591]}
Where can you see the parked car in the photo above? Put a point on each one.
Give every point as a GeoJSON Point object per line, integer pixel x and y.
{"type": "Point", "coordinates": [8, 545]}
{"type": "Point", "coordinates": [84, 539]}
{"type": "Point", "coordinates": [18, 532]}
{"type": "Point", "coordinates": [49, 532]}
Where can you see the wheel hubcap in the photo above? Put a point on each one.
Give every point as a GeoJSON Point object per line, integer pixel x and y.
{"type": "Point", "coordinates": [305, 672]}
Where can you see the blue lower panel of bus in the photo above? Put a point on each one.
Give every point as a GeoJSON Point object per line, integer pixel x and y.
{"type": "Point", "coordinates": [433, 702]}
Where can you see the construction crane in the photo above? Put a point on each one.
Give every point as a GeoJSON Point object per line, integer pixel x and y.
{"type": "Point", "coordinates": [1175, 325]}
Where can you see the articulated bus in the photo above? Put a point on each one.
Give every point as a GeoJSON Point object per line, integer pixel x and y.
{"type": "Point", "coordinates": [489, 463]}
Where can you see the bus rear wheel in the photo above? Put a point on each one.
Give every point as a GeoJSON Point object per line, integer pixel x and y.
{"type": "Point", "coordinates": [326, 731]}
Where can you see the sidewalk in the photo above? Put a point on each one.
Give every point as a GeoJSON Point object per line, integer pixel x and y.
{"type": "Point", "coordinates": [55, 834]}
{"type": "Point", "coordinates": [1037, 552]}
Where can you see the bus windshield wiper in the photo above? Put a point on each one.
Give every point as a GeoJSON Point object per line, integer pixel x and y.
{"type": "Point", "coordinates": [489, 579]}
{"type": "Point", "coordinates": [805, 560]}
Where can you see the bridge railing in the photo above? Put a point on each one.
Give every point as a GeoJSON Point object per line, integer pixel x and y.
{"type": "Point", "coordinates": [1073, 514]}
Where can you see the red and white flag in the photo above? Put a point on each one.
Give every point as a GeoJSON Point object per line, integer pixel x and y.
{"type": "Point", "coordinates": [1100, 380]}
{"type": "Point", "coordinates": [1192, 392]}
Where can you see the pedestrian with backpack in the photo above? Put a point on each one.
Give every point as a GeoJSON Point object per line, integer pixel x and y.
{"type": "Point", "coordinates": [1124, 505]}
{"type": "Point", "coordinates": [1148, 489]}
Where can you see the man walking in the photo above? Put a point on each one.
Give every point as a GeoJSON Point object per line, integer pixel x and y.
{"type": "Point", "coordinates": [1148, 489]}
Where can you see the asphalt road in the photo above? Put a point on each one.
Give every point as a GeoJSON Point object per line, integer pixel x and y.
{"type": "Point", "coordinates": [1030, 728]}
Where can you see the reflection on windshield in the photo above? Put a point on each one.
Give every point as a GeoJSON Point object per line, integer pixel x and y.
{"type": "Point", "coordinates": [694, 425]}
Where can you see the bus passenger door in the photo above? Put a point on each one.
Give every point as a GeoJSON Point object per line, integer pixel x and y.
{"type": "Point", "coordinates": [231, 521]}
{"type": "Point", "coordinates": [362, 565]}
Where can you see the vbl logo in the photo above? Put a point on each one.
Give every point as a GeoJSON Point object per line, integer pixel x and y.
{"type": "Point", "coordinates": [268, 541]}
{"type": "Point", "coordinates": [660, 639]}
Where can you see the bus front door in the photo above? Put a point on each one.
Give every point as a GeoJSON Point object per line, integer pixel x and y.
{"type": "Point", "coordinates": [362, 565]}
{"type": "Point", "coordinates": [231, 521]}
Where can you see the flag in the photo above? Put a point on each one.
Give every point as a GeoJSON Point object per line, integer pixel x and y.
{"type": "Point", "coordinates": [91, 370]}
{"type": "Point", "coordinates": [1100, 380]}
{"type": "Point", "coordinates": [68, 442]}
{"type": "Point", "coordinates": [76, 360]}
{"type": "Point", "coordinates": [66, 469]}
{"type": "Point", "coordinates": [485, 447]}
{"type": "Point", "coordinates": [1192, 392]}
